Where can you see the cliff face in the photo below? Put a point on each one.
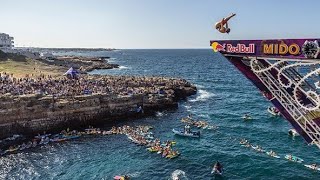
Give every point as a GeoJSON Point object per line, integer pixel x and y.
{"type": "Point", "coordinates": [34, 114]}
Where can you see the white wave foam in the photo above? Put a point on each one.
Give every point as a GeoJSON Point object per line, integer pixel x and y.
{"type": "Point", "coordinates": [123, 67]}
{"type": "Point", "coordinates": [135, 174]}
{"type": "Point", "coordinates": [178, 175]}
{"type": "Point", "coordinates": [199, 86]}
{"type": "Point", "coordinates": [112, 60]}
{"type": "Point", "coordinates": [187, 107]}
{"type": "Point", "coordinates": [203, 95]}
{"type": "Point", "coordinates": [204, 115]}
{"type": "Point", "coordinates": [159, 114]}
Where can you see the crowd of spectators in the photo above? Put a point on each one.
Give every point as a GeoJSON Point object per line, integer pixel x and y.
{"type": "Point", "coordinates": [84, 84]}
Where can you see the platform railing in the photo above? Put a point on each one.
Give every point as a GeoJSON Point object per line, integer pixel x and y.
{"type": "Point", "coordinates": [287, 101]}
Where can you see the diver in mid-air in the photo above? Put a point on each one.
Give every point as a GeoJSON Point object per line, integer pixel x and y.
{"type": "Point", "coordinates": [222, 26]}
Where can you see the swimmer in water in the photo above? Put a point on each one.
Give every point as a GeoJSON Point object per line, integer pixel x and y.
{"type": "Point", "coordinates": [222, 26]}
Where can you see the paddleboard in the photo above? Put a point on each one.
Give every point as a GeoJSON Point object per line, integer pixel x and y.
{"type": "Point", "coordinates": [310, 167]}
{"type": "Point", "coordinates": [276, 156]}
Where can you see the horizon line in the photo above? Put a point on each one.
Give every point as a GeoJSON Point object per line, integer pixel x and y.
{"type": "Point", "coordinates": [114, 48]}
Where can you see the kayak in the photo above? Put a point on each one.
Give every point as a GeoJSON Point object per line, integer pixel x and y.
{"type": "Point", "coordinates": [106, 132]}
{"type": "Point", "coordinates": [246, 145]}
{"type": "Point", "coordinates": [195, 134]}
{"type": "Point", "coordinates": [170, 156]}
{"type": "Point", "coordinates": [149, 137]}
{"type": "Point", "coordinates": [294, 159]}
{"type": "Point", "coordinates": [258, 149]}
{"type": "Point", "coordinates": [10, 150]}
{"type": "Point", "coordinates": [118, 178]}
{"type": "Point", "coordinates": [212, 127]}
{"type": "Point", "coordinates": [121, 177]}
{"type": "Point", "coordinates": [172, 143]}
{"type": "Point", "coordinates": [311, 167]}
{"type": "Point", "coordinates": [152, 149]}
{"type": "Point", "coordinates": [271, 110]}
{"type": "Point", "coordinates": [275, 156]}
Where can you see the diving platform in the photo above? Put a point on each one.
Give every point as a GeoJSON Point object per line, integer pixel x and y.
{"type": "Point", "coordinates": [287, 72]}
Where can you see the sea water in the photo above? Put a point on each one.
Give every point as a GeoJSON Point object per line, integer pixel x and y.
{"type": "Point", "coordinates": [224, 95]}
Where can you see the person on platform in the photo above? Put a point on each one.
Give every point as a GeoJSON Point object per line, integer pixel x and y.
{"type": "Point", "coordinates": [222, 26]}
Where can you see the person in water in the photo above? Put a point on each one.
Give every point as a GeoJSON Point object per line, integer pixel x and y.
{"type": "Point", "coordinates": [247, 116]}
{"type": "Point", "coordinates": [222, 26]}
{"type": "Point", "coordinates": [217, 167]}
{"type": "Point", "coordinates": [187, 129]}
{"type": "Point", "coordinates": [314, 166]}
{"type": "Point", "coordinates": [272, 153]}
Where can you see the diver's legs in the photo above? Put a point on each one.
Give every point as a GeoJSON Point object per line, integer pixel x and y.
{"type": "Point", "coordinates": [225, 20]}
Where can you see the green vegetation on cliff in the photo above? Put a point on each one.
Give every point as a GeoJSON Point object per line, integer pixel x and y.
{"type": "Point", "coordinates": [19, 66]}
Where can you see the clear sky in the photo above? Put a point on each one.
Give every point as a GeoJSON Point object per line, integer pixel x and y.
{"type": "Point", "coordinates": [153, 23]}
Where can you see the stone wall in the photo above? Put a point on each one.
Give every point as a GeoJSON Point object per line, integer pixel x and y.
{"type": "Point", "coordinates": [34, 114]}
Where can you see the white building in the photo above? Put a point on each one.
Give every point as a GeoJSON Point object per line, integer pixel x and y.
{"type": "Point", "coordinates": [6, 42]}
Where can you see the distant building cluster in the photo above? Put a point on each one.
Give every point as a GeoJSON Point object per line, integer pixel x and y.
{"type": "Point", "coordinates": [6, 41]}
{"type": "Point", "coordinates": [7, 46]}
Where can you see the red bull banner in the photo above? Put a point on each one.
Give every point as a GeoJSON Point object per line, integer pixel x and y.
{"type": "Point", "coordinates": [275, 48]}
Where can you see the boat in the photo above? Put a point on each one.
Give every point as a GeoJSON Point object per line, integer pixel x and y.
{"type": "Point", "coordinates": [312, 167]}
{"type": "Point", "coordinates": [273, 111]}
{"type": "Point", "coordinates": [275, 156]}
{"type": "Point", "coordinates": [69, 137]}
{"type": "Point", "coordinates": [293, 158]}
{"type": "Point", "coordinates": [293, 132]}
{"type": "Point", "coordinates": [195, 134]}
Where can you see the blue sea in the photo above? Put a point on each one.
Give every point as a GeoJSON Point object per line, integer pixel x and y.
{"type": "Point", "coordinates": [224, 95]}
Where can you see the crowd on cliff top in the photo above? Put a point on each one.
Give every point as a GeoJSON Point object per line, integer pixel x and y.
{"type": "Point", "coordinates": [65, 86]}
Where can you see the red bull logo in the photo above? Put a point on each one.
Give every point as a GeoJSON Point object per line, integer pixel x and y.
{"type": "Point", "coordinates": [218, 47]}
{"type": "Point", "coordinates": [229, 48]}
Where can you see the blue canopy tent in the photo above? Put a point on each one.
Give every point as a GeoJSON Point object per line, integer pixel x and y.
{"type": "Point", "coordinates": [71, 73]}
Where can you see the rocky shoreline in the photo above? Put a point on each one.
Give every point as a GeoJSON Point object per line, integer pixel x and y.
{"type": "Point", "coordinates": [31, 114]}
{"type": "Point", "coordinates": [83, 64]}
